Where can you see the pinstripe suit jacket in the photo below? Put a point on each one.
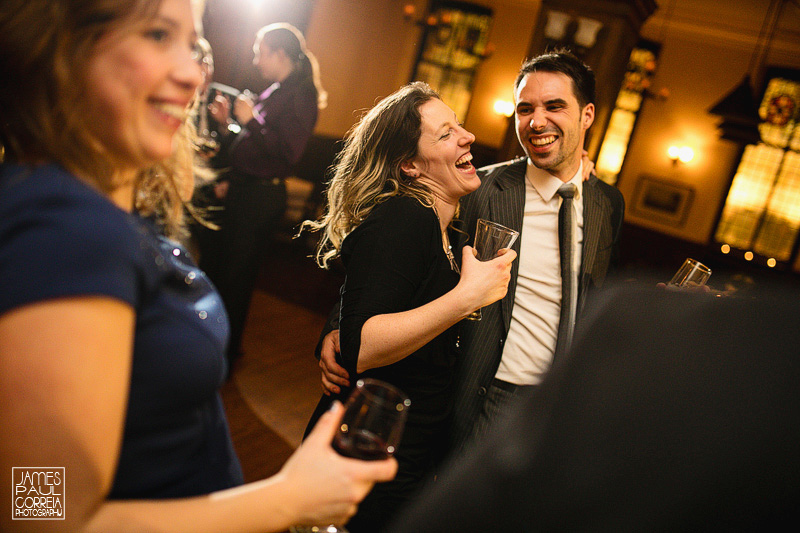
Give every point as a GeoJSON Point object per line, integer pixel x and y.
{"type": "Point", "coordinates": [501, 198]}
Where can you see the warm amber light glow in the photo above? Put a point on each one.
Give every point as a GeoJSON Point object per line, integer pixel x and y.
{"type": "Point", "coordinates": [684, 154]}
{"type": "Point", "coordinates": [504, 108]}
{"type": "Point", "coordinates": [673, 152]}
{"type": "Point", "coordinates": [725, 249]}
{"type": "Point", "coordinates": [771, 262]}
{"type": "Point", "coordinates": [748, 256]}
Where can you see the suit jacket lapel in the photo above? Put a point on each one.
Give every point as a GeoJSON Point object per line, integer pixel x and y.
{"type": "Point", "coordinates": [596, 209]}
{"type": "Point", "coordinates": [506, 207]}
{"type": "Point", "coordinates": [591, 226]}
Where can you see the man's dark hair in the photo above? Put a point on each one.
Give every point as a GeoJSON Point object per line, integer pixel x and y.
{"type": "Point", "coordinates": [563, 61]}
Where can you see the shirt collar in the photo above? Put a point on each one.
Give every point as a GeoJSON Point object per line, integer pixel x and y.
{"type": "Point", "coordinates": [547, 185]}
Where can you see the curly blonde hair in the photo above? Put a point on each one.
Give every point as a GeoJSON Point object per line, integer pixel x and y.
{"type": "Point", "coordinates": [367, 169]}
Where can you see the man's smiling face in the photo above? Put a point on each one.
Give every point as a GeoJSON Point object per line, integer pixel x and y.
{"type": "Point", "coordinates": [551, 125]}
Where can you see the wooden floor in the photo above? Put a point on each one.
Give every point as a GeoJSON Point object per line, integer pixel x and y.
{"type": "Point", "coordinates": [275, 386]}
{"type": "Point", "coordinates": [261, 450]}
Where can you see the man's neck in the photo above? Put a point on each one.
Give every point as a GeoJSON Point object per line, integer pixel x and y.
{"type": "Point", "coordinates": [563, 174]}
{"type": "Point", "coordinates": [568, 173]}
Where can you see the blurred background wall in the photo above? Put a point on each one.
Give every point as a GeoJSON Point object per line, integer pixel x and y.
{"type": "Point", "coordinates": [692, 54]}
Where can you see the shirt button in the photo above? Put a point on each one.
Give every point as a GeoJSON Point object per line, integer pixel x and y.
{"type": "Point", "coordinates": [482, 391]}
{"type": "Point", "coordinates": [502, 341]}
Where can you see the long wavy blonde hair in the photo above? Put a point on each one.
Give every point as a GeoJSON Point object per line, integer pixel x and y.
{"type": "Point", "coordinates": [367, 169]}
{"type": "Point", "coordinates": [44, 66]}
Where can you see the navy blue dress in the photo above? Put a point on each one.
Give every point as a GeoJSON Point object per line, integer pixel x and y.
{"type": "Point", "coordinates": [61, 238]}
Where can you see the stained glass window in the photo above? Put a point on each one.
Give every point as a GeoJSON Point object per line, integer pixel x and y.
{"type": "Point", "coordinates": [636, 86]}
{"type": "Point", "coordinates": [762, 210]}
{"type": "Point", "coordinates": [455, 42]}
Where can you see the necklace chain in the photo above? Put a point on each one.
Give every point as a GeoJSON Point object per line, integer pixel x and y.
{"type": "Point", "coordinates": [448, 251]}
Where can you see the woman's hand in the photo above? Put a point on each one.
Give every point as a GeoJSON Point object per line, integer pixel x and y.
{"type": "Point", "coordinates": [243, 109]}
{"type": "Point", "coordinates": [588, 166]}
{"type": "Point", "coordinates": [484, 282]}
{"type": "Point", "coordinates": [326, 486]}
{"type": "Point", "coordinates": [386, 339]}
{"type": "Point", "coordinates": [221, 189]}
{"type": "Point", "coordinates": [334, 376]}
{"type": "Point", "coordinates": [220, 109]}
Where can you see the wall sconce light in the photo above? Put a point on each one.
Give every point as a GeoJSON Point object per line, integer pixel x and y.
{"type": "Point", "coordinates": [566, 29]}
{"type": "Point", "coordinates": [586, 35]}
{"type": "Point", "coordinates": [556, 27]}
{"type": "Point", "coordinates": [684, 154]}
{"type": "Point", "coordinates": [504, 108]}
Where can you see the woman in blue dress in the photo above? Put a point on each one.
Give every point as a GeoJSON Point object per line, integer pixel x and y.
{"type": "Point", "coordinates": [111, 339]}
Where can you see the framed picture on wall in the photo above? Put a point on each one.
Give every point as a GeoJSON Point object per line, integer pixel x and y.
{"type": "Point", "coordinates": [662, 200]}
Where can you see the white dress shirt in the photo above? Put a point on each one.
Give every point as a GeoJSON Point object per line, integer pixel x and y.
{"type": "Point", "coordinates": [533, 331]}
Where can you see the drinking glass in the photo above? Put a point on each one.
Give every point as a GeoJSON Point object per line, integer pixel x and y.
{"type": "Point", "coordinates": [371, 427]}
{"type": "Point", "coordinates": [490, 238]}
{"type": "Point", "coordinates": [207, 144]}
{"type": "Point", "coordinates": [692, 273]}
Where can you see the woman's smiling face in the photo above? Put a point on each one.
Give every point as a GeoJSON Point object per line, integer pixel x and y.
{"type": "Point", "coordinates": [443, 160]}
{"type": "Point", "coordinates": [141, 80]}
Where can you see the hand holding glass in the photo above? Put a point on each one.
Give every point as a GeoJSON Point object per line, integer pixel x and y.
{"type": "Point", "coordinates": [490, 238]}
{"type": "Point", "coordinates": [692, 274]}
{"type": "Point", "coordinates": [371, 428]}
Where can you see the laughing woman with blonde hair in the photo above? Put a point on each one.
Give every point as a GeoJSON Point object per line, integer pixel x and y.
{"type": "Point", "coordinates": [395, 189]}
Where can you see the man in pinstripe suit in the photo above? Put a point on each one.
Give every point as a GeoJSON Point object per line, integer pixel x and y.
{"type": "Point", "coordinates": [513, 346]}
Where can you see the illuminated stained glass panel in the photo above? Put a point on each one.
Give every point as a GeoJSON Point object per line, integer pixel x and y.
{"type": "Point", "coordinates": [762, 210]}
{"type": "Point", "coordinates": [782, 218]}
{"type": "Point", "coordinates": [748, 195]}
{"type": "Point", "coordinates": [615, 144]}
{"type": "Point", "coordinates": [455, 43]}
{"type": "Point", "coordinates": [635, 87]}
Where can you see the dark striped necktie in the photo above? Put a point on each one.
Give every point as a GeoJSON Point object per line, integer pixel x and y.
{"type": "Point", "coordinates": [569, 291]}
